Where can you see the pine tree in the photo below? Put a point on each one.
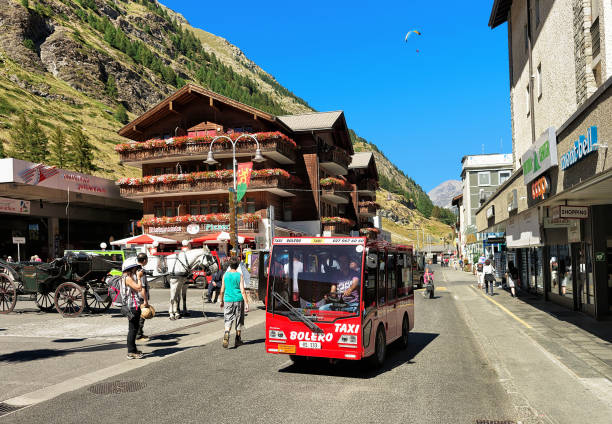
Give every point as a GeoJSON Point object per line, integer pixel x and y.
{"type": "Point", "coordinates": [82, 152]}
{"type": "Point", "coordinates": [2, 152]}
{"type": "Point", "coordinates": [121, 115]}
{"type": "Point", "coordinates": [58, 149]}
{"type": "Point", "coordinates": [38, 142]}
{"type": "Point", "coordinates": [111, 87]}
{"type": "Point", "coordinates": [19, 138]}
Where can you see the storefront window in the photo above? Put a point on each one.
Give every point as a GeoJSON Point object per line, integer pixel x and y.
{"type": "Point", "coordinates": [585, 274]}
{"type": "Point", "coordinates": [560, 264]}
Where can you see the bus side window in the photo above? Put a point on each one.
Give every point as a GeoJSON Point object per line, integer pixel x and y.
{"type": "Point", "coordinates": [382, 287]}
{"type": "Point", "coordinates": [391, 277]}
{"type": "Point", "coordinates": [369, 282]}
{"type": "Point", "coordinates": [401, 281]}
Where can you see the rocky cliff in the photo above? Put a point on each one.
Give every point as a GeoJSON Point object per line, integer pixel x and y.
{"type": "Point", "coordinates": [444, 193]}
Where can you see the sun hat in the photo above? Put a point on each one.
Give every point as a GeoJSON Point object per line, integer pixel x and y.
{"type": "Point", "coordinates": [128, 264]}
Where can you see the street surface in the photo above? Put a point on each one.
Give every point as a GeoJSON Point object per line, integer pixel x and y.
{"type": "Point", "coordinates": [470, 358]}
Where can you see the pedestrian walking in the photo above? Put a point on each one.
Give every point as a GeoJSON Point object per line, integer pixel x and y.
{"type": "Point", "coordinates": [480, 274]}
{"type": "Point", "coordinates": [489, 276]}
{"type": "Point", "coordinates": [512, 278]}
{"type": "Point", "coordinates": [215, 283]}
{"type": "Point", "coordinates": [233, 301]}
{"type": "Point", "coordinates": [130, 288]}
{"type": "Point", "coordinates": [143, 298]}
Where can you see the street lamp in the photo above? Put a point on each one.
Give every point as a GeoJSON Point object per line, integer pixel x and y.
{"type": "Point", "coordinates": [210, 160]}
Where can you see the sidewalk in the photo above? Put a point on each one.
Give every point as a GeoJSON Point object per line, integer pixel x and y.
{"type": "Point", "coordinates": [580, 342]}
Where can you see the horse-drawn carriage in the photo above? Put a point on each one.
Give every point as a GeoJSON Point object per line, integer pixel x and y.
{"type": "Point", "coordinates": [70, 284]}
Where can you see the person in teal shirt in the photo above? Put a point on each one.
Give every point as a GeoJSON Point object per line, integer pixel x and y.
{"type": "Point", "coordinates": [233, 301]}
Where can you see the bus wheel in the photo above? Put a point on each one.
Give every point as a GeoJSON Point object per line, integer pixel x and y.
{"type": "Point", "coordinates": [378, 359]}
{"type": "Point", "coordinates": [405, 333]}
{"type": "Point", "coordinates": [298, 360]}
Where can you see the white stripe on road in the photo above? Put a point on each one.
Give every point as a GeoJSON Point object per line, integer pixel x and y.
{"type": "Point", "coordinates": [29, 399]}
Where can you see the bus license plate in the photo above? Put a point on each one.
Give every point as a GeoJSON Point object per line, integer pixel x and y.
{"type": "Point", "coordinates": [310, 345]}
{"type": "Point", "coordinates": [283, 348]}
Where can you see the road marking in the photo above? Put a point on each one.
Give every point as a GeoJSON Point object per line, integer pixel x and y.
{"type": "Point", "coordinates": [502, 307]}
{"type": "Point", "coordinates": [440, 288]}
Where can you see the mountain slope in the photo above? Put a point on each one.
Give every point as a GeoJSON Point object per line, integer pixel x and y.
{"type": "Point", "coordinates": [77, 63]}
{"type": "Point", "coordinates": [444, 193]}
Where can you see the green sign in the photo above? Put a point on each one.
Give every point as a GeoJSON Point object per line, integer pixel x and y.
{"type": "Point", "coordinates": [541, 156]}
{"type": "Point", "coordinates": [600, 256]}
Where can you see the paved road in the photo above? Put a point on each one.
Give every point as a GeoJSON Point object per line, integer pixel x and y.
{"type": "Point", "coordinates": [468, 360]}
{"type": "Point", "coordinates": [441, 378]}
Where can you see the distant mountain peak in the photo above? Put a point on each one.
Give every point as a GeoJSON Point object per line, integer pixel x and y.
{"type": "Point", "coordinates": [444, 193]}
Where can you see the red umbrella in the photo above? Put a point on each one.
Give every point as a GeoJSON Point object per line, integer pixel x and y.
{"type": "Point", "coordinates": [149, 239]}
{"type": "Point", "coordinates": [204, 239]}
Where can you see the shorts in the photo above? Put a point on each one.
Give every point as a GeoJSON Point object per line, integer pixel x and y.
{"type": "Point", "coordinates": [510, 283]}
{"type": "Point", "coordinates": [233, 311]}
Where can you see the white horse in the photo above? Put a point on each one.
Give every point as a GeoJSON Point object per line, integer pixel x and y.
{"type": "Point", "coordinates": [178, 267]}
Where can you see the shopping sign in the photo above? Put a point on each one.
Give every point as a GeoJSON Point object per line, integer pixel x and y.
{"type": "Point", "coordinates": [581, 148]}
{"type": "Point", "coordinates": [541, 156]}
{"type": "Point", "coordinates": [571, 212]}
{"type": "Point", "coordinates": [243, 179]}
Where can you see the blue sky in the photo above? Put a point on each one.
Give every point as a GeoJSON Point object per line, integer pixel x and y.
{"type": "Point", "coordinates": [424, 110]}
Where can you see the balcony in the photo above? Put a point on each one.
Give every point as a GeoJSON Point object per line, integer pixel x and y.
{"type": "Point", "coordinates": [204, 224]}
{"type": "Point", "coordinates": [337, 225]}
{"type": "Point", "coordinates": [335, 190]}
{"type": "Point", "coordinates": [335, 162]}
{"type": "Point", "coordinates": [367, 187]}
{"type": "Point", "coordinates": [276, 181]}
{"type": "Point", "coordinates": [368, 208]}
{"type": "Point", "coordinates": [274, 146]}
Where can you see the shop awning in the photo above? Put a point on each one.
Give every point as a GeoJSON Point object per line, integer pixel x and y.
{"type": "Point", "coordinates": [143, 239]}
{"type": "Point", "coordinates": [221, 237]}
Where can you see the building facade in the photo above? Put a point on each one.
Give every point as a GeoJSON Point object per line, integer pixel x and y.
{"type": "Point", "coordinates": [302, 185]}
{"type": "Point", "coordinates": [552, 210]}
{"type": "Point", "coordinates": [480, 177]}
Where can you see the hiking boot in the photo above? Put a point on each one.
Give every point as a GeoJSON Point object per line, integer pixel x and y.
{"type": "Point", "coordinates": [134, 355]}
{"type": "Point", "coordinates": [238, 341]}
{"type": "Point", "coordinates": [226, 340]}
{"type": "Point", "coordinates": [142, 338]}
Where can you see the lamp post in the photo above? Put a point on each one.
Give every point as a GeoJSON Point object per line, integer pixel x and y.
{"type": "Point", "coordinates": [210, 160]}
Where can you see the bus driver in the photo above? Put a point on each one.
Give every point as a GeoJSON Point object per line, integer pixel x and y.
{"type": "Point", "coordinates": [347, 284]}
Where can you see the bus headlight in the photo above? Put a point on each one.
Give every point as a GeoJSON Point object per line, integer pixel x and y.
{"type": "Point", "coordinates": [348, 339]}
{"type": "Point", "coordinates": [276, 334]}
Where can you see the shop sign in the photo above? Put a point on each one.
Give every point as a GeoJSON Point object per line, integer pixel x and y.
{"type": "Point", "coordinates": [581, 148]}
{"type": "Point", "coordinates": [600, 256]}
{"type": "Point", "coordinates": [14, 206]}
{"type": "Point", "coordinates": [193, 229]}
{"type": "Point", "coordinates": [571, 212]}
{"type": "Point", "coordinates": [18, 240]}
{"type": "Point", "coordinates": [540, 188]}
{"type": "Point", "coordinates": [163, 230]}
{"type": "Point", "coordinates": [557, 222]}
{"type": "Point", "coordinates": [541, 156]}
{"type": "Point", "coordinates": [217, 227]}
{"type": "Point", "coordinates": [490, 211]}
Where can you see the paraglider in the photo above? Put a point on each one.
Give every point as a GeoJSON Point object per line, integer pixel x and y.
{"type": "Point", "coordinates": [414, 31]}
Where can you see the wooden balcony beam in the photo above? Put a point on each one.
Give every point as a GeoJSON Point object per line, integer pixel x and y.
{"type": "Point", "coordinates": [172, 108]}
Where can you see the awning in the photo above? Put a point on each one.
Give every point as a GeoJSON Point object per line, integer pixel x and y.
{"type": "Point", "coordinates": [143, 239]}
{"type": "Point", "coordinates": [523, 230]}
{"type": "Point", "coordinates": [221, 237]}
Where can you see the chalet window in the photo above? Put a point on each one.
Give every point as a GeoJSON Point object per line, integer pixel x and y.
{"type": "Point", "coordinates": [169, 210]}
{"type": "Point", "coordinates": [158, 210]}
{"type": "Point", "coordinates": [503, 176]}
{"type": "Point", "coordinates": [158, 171]}
{"type": "Point", "coordinates": [169, 170]}
{"type": "Point", "coordinates": [250, 205]}
{"type": "Point", "coordinates": [213, 206]}
{"type": "Point", "coordinates": [287, 211]}
{"type": "Point", "coordinates": [194, 207]}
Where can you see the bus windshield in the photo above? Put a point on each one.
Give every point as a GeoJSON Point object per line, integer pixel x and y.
{"type": "Point", "coordinates": [320, 282]}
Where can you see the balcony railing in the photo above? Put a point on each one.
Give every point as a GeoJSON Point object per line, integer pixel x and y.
{"type": "Point", "coordinates": [337, 225]}
{"type": "Point", "coordinates": [275, 146]}
{"type": "Point", "coordinates": [367, 186]}
{"type": "Point", "coordinates": [277, 181]}
{"type": "Point", "coordinates": [176, 226]}
{"type": "Point", "coordinates": [335, 190]}
{"type": "Point", "coordinates": [335, 162]}
{"type": "Point", "coordinates": [368, 208]}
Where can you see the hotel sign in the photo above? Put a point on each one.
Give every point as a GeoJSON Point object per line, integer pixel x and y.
{"type": "Point", "coordinates": [541, 156]}
{"type": "Point", "coordinates": [581, 148]}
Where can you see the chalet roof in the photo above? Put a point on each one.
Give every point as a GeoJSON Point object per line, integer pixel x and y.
{"type": "Point", "coordinates": [457, 199]}
{"type": "Point", "coordinates": [311, 121]}
{"type": "Point", "coordinates": [361, 160]}
{"type": "Point", "coordinates": [181, 97]}
{"type": "Point", "coordinates": [499, 12]}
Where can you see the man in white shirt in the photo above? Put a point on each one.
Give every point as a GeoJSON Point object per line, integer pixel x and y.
{"type": "Point", "coordinates": [298, 266]}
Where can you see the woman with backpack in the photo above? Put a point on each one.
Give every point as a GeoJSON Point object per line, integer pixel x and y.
{"type": "Point", "coordinates": [489, 276]}
{"type": "Point", "coordinates": [233, 301]}
{"type": "Point", "coordinates": [131, 286]}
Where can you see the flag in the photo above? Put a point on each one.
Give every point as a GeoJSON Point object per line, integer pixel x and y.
{"type": "Point", "coordinates": [243, 179]}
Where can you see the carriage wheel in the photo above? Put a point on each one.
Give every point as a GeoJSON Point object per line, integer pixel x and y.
{"type": "Point", "coordinates": [8, 294]}
{"type": "Point", "coordinates": [96, 306]}
{"type": "Point", "coordinates": [69, 300]}
{"type": "Point", "coordinates": [45, 301]}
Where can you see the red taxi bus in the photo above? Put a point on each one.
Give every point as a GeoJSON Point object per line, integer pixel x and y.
{"type": "Point", "coordinates": [338, 297]}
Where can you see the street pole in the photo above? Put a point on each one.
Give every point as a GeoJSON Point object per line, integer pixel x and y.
{"type": "Point", "coordinates": [232, 192]}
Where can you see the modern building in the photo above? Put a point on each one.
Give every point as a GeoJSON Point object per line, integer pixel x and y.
{"type": "Point", "coordinates": [480, 177]}
{"type": "Point", "coordinates": [51, 209]}
{"type": "Point", "coordinates": [301, 186]}
{"type": "Point", "coordinates": [457, 202]}
{"type": "Point", "coordinates": [553, 208]}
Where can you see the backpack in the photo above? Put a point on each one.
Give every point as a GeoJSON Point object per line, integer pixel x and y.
{"type": "Point", "coordinates": [479, 267]}
{"type": "Point", "coordinates": [114, 289]}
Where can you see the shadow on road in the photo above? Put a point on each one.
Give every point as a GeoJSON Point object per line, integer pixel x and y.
{"type": "Point", "coordinates": [362, 369]}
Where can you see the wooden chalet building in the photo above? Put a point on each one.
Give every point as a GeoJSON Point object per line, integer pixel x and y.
{"type": "Point", "coordinates": [305, 175]}
{"type": "Point", "coordinates": [364, 176]}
